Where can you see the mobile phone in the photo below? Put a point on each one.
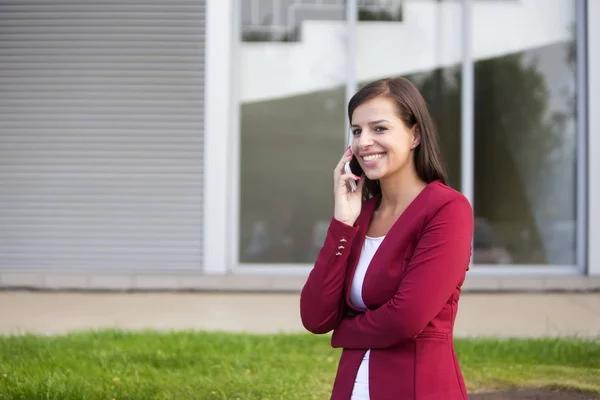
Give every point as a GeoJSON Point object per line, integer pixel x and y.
{"type": "Point", "coordinates": [353, 167]}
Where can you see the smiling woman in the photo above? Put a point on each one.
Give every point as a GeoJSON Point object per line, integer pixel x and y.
{"type": "Point", "coordinates": [385, 106]}
{"type": "Point", "coordinates": [389, 274]}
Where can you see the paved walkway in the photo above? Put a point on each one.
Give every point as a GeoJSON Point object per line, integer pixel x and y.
{"type": "Point", "coordinates": [508, 314]}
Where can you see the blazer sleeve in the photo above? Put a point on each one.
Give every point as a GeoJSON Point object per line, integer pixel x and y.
{"type": "Point", "coordinates": [438, 266]}
{"type": "Point", "coordinates": [321, 300]}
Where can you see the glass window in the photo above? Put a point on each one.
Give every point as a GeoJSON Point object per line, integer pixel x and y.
{"type": "Point", "coordinates": [292, 126]}
{"type": "Point", "coordinates": [525, 132]}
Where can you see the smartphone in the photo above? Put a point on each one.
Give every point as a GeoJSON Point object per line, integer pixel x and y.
{"type": "Point", "coordinates": [353, 167]}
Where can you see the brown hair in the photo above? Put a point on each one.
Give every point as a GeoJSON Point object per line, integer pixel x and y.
{"type": "Point", "coordinates": [412, 110]}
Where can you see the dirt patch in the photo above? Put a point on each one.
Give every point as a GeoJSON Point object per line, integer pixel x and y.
{"type": "Point", "coordinates": [533, 394]}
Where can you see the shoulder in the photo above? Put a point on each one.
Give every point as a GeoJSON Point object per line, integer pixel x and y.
{"type": "Point", "coordinates": [442, 200]}
{"type": "Point", "coordinates": [444, 194]}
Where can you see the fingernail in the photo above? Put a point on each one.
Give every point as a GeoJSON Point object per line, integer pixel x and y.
{"type": "Point", "coordinates": [357, 177]}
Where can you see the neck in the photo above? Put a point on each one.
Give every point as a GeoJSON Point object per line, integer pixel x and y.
{"type": "Point", "coordinates": [399, 190]}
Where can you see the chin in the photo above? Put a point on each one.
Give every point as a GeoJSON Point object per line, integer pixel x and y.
{"type": "Point", "coordinates": [374, 176]}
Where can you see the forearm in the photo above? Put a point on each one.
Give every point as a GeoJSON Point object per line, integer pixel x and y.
{"type": "Point", "coordinates": [321, 299]}
{"type": "Point", "coordinates": [364, 332]}
{"type": "Point", "coordinates": [399, 320]}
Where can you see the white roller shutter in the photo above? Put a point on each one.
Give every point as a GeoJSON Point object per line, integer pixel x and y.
{"type": "Point", "coordinates": [101, 134]}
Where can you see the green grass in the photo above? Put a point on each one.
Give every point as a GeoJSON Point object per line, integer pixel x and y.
{"type": "Point", "coordinates": [185, 365]}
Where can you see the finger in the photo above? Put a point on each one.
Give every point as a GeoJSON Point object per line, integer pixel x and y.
{"type": "Point", "coordinates": [340, 169]}
{"type": "Point", "coordinates": [347, 156]}
{"type": "Point", "coordinates": [347, 153]}
{"type": "Point", "coordinates": [360, 184]}
{"type": "Point", "coordinates": [344, 178]}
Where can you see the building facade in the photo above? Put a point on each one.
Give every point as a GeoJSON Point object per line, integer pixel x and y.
{"type": "Point", "coordinates": [189, 144]}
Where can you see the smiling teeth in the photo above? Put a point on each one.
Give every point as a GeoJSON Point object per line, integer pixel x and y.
{"type": "Point", "coordinates": [372, 157]}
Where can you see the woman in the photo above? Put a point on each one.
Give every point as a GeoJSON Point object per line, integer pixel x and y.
{"type": "Point", "coordinates": [388, 277]}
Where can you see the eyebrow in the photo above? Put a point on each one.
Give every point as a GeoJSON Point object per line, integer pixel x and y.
{"type": "Point", "coordinates": [371, 123]}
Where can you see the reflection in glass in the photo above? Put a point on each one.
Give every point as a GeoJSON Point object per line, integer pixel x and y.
{"type": "Point", "coordinates": [281, 20]}
{"type": "Point", "coordinates": [288, 149]}
{"type": "Point", "coordinates": [292, 127]}
{"type": "Point", "coordinates": [525, 138]}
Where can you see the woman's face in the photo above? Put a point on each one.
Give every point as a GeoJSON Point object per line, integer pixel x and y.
{"type": "Point", "coordinates": [381, 141]}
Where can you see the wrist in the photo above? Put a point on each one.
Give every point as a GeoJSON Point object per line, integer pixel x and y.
{"type": "Point", "coordinates": [346, 221]}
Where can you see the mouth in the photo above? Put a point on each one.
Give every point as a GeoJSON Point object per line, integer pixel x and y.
{"type": "Point", "coordinates": [371, 158]}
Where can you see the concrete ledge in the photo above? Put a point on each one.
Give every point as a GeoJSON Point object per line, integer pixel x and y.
{"type": "Point", "coordinates": [572, 315]}
{"type": "Point", "coordinates": [264, 283]}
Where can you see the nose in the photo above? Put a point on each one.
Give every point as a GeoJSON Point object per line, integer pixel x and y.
{"type": "Point", "coordinates": [365, 140]}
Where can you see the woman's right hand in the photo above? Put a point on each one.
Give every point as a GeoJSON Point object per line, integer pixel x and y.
{"type": "Point", "coordinates": [347, 204]}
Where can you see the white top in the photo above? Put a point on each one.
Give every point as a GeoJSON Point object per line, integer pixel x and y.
{"type": "Point", "coordinates": [370, 246]}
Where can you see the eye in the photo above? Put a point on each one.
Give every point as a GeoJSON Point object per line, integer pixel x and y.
{"type": "Point", "coordinates": [380, 129]}
{"type": "Point", "coordinates": [355, 132]}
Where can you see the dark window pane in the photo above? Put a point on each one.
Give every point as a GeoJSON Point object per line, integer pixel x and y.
{"type": "Point", "coordinates": [525, 152]}
{"type": "Point", "coordinates": [288, 150]}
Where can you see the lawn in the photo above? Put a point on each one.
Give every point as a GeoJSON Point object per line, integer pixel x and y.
{"type": "Point", "coordinates": [197, 365]}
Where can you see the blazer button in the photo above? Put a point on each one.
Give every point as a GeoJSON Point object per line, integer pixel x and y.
{"type": "Point", "coordinates": [341, 247]}
{"type": "Point", "coordinates": [343, 240]}
{"type": "Point", "coordinates": [338, 254]}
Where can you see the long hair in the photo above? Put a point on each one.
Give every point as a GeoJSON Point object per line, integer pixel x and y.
{"type": "Point", "coordinates": [413, 111]}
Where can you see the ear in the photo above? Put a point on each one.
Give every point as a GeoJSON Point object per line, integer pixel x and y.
{"type": "Point", "coordinates": [416, 136]}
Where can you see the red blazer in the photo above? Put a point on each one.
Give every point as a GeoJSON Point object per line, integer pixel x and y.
{"type": "Point", "coordinates": [411, 290]}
